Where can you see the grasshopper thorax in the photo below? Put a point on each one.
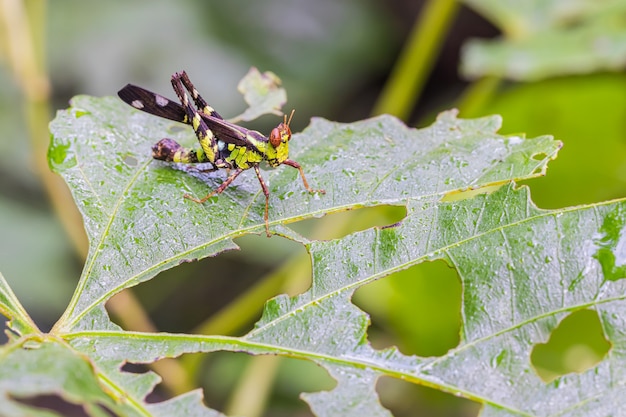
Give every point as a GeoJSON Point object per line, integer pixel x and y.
{"type": "Point", "coordinates": [281, 133]}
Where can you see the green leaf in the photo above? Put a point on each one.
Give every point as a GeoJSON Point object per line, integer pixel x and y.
{"type": "Point", "coordinates": [138, 223]}
{"type": "Point", "coordinates": [548, 38]}
{"type": "Point", "coordinates": [523, 269]}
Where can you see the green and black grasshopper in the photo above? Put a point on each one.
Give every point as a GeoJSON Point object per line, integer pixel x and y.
{"type": "Point", "coordinates": [223, 144]}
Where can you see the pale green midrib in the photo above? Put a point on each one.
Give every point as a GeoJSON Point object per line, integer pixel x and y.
{"type": "Point", "coordinates": [349, 361]}
{"type": "Point", "coordinates": [306, 147]}
{"type": "Point", "coordinates": [242, 343]}
{"type": "Point", "coordinates": [345, 361]}
{"type": "Point", "coordinates": [378, 275]}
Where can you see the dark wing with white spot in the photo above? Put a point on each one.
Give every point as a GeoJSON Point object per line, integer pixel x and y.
{"type": "Point", "coordinates": [157, 105]}
{"type": "Point", "coordinates": [152, 103]}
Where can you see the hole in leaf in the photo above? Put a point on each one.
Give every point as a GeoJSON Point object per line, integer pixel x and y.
{"type": "Point", "coordinates": [577, 344]}
{"type": "Point", "coordinates": [282, 380]}
{"type": "Point", "coordinates": [135, 368]}
{"type": "Point", "coordinates": [4, 331]}
{"type": "Point", "coordinates": [459, 195]}
{"type": "Point", "coordinates": [418, 309]}
{"type": "Point", "coordinates": [224, 294]}
{"type": "Point", "coordinates": [294, 377]}
{"type": "Point", "coordinates": [160, 391]}
{"type": "Point", "coordinates": [540, 156]}
{"type": "Point", "coordinates": [405, 399]}
{"type": "Point", "coordinates": [340, 224]}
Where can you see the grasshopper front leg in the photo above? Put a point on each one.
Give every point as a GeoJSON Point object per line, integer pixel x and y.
{"type": "Point", "coordinates": [296, 165]}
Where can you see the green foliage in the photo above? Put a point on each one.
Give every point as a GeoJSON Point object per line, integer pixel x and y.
{"type": "Point", "coordinates": [548, 38]}
{"type": "Point", "coordinates": [522, 269]}
{"type": "Point", "coordinates": [526, 274]}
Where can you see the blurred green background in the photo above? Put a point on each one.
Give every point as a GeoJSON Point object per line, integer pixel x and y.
{"type": "Point", "coordinates": [340, 60]}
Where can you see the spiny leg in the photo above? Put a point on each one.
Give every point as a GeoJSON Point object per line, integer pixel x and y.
{"type": "Point", "coordinates": [201, 103]}
{"type": "Point", "coordinates": [267, 200]}
{"type": "Point", "coordinates": [296, 165]}
{"type": "Point", "coordinates": [219, 189]}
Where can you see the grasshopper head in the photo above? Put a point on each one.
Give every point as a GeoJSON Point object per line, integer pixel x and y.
{"type": "Point", "coordinates": [281, 133]}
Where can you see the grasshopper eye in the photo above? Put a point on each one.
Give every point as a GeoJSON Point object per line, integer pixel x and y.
{"type": "Point", "coordinates": [275, 137]}
{"type": "Point", "coordinates": [281, 133]}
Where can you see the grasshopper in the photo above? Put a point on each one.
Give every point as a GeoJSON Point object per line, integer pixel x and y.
{"type": "Point", "coordinates": [223, 144]}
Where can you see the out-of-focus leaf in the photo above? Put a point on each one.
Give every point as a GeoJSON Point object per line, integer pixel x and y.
{"type": "Point", "coordinates": [24, 259]}
{"type": "Point", "coordinates": [519, 19]}
{"type": "Point", "coordinates": [547, 39]}
{"type": "Point", "coordinates": [318, 48]}
{"type": "Point", "coordinates": [48, 368]}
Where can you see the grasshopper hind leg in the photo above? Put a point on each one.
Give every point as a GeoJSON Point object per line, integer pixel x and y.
{"type": "Point", "coordinates": [219, 189]}
{"type": "Point", "coordinates": [205, 136]}
{"type": "Point", "coordinates": [201, 103]}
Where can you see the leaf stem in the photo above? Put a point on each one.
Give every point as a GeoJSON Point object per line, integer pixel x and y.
{"type": "Point", "coordinates": [417, 59]}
